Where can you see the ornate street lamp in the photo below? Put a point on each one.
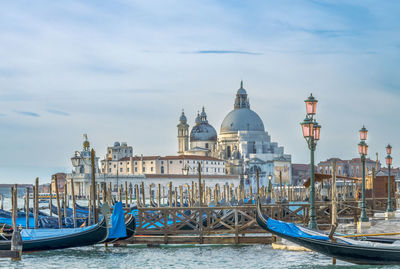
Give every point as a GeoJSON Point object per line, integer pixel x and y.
{"type": "Point", "coordinates": [363, 151]}
{"type": "Point", "coordinates": [269, 184]}
{"type": "Point", "coordinates": [389, 163]}
{"type": "Point", "coordinates": [311, 132]}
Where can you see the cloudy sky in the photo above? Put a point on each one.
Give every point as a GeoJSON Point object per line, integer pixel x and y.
{"type": "Point", "coordinates": [124, 70]}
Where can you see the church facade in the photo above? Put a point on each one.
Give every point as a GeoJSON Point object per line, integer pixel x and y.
{"type": "Point", "coordinates": [242, 142]}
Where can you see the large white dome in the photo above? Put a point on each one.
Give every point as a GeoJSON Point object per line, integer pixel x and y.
{"type": "Point", "coordinates": [242, 119]}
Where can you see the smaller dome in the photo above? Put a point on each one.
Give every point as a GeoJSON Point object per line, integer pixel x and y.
{"type": "Point", "coordinates": [203, 132]}
{"type": "Point", "coordinates": [241, 91]}
{"type": "Point", "coordinates": [117, 144]}
{"type": "Point", "coordinates": [198, 119]}
{"type": "Point", "coordinates": [86, 144]}
{"type": "Point", "coordinates": [182, 118]}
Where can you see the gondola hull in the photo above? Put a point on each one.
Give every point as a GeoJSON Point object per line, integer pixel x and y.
{"type": "Point", "coordinates": [339, 250]}
{"type": "Point", "coordinates": [95, 234]}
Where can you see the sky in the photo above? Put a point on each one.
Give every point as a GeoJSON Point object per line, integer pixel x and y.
{"type": "Point", "coordinates": [124, 70]}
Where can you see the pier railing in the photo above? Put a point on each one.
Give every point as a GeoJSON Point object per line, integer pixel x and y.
{"type": "Point", "coordinates": [239, 219]}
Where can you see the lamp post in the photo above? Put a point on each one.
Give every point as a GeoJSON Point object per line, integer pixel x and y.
{"type": "Point", "coordinates": [269, 185]}
{"type": "Point", "coordinates": [311, 132]}
{"type": "Point", "coordinates": [389, 209]}
{"type": "Point", "coordinates": [363, 151]}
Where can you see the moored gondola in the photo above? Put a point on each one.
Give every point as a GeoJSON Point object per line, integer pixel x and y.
{"type": "Point", "coordinates": [358, 252]}
{"type": "Point", "coordinates": [48, 239]}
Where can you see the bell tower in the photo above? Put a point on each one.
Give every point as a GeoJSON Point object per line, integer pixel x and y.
{"type": "Point", "coordinates": [183, 134]}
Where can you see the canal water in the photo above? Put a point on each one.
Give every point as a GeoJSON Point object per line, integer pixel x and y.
{"type": "Point", "coordinates": [177, 256]}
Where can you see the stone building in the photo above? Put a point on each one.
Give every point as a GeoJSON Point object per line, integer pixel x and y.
{"type": "Point", "coordinates": [350, 168]}
{"type": "Point", "coordinates": [120, 166]}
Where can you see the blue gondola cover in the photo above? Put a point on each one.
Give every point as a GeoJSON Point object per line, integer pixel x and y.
{"type": "Point", "coordinates": [118, 228]}
{"type": "Point", "coordinates": [291, 229]}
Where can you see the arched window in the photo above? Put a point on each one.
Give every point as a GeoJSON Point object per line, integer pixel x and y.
{"type": "Point", "coordinates": [228, 151]}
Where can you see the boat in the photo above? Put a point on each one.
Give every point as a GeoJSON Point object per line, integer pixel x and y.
{"type": "Point", "coordinates": [50, 239]}
{"type": "Point", "coordinates": [345, 249]}
{"type": "Point", "coordinates": [70, 212]}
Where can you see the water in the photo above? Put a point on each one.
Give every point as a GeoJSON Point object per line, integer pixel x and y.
{"type": "Point", "coordinates": [177, 256]}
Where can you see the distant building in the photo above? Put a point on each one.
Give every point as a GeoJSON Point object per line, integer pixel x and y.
{"type": "Point", "coordinates": [300, 173]}
{"type": "Point", "coordinates": [350, 168]}
{"type": "Point", "coordinates": [170, 165]}
{"type": "Point", "coordinates": [120, 166]}
{"type": "Point", "coordinates": [378, 187]}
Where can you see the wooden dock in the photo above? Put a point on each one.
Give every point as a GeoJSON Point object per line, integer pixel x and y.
{"type": "Point", "coordinates": [229, 224]}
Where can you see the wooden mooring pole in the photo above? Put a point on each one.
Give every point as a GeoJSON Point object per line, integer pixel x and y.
{"type": "Point", "coordinates": [51, 200]}
{"type": "Point", "coordinates": [58, 203]}
{"type": "Point", "coordinates": [36, 201]}
{"type": "Point", "coordinates": [73, 202]}
{"type": "Point", "coordinates": [95, 211]}
{"type": "Point", "coordinates": [27, 211]}
{"type": "Point", "coordinates": [16, 240]}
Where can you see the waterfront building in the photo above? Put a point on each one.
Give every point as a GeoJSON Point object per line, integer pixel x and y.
{"type": "Point", "coordinates": [300, 173]}
{"type": "Point", "coordinates": [350, 168]}
{"type": "Point", "coordinates": [120, 166]}
{"type": "Point", "coordinates": [242, 142]}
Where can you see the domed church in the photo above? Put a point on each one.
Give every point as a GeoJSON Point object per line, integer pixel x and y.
{"type": "Point", "coordinates": [242, 142]}
{"type": "Point", "coordinates": [203, 137]}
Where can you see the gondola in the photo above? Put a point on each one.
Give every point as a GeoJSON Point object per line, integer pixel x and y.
{"type": "Point", "coordinates": [49, 239]}
{"type": "Point", "coordinates": [79, 213]}
{"type": "Point", "coordinates": [345, 249]}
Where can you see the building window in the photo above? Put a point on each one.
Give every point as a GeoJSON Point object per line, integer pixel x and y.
{"type": "Point", "coordinates": [120, 163]}
{"type": "Point", "coordinates": [135, 169]}
{"type": "Point", "coordinates": [218, 170]}
{"type": "Point", "coordinates": [170, 162]}
{"type": "Point", "coordinates": [207, 169]}
{"type": "Point", "coordinates": [115, 166]}
{"type": "Point", "coordinates": [162, 162]}
{"type": "Point", "coordinates": [127, 169]}
{"type": "Point", "coordinates": [135, 163]}
{"type": "Point", "coordinates": [207, 162]}
{"type": "Point", "coordinates": [120, 169]}
{"type": "Point", "coordinates": [151, 169]}
{"type": "Point", "coordinates": [162, 169]}
{"type": "Point", "coordinates": [144, 162]}
{"type": "Point", "coordinates": [127, 163]}
{"type": "Point", "coordinates": [144, 169]}
{"type": "Point", "coordinates": [180, 161]}
{"type": "Point", "coordinates": [151, 162]}
{"type": "Point", "coordinates": [187, 161]}
{"type": "Point", "coordinates": [102, 170]}
{"type": "Point", "coordinates": [109, 170]}
{"type": "Point", "coordinates": [115, 156]}
{"type": "Point", "coordinates": [206, 145]}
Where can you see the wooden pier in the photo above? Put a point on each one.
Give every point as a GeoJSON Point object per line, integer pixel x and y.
{"type": "Point", "coordinates": [231, 224]}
